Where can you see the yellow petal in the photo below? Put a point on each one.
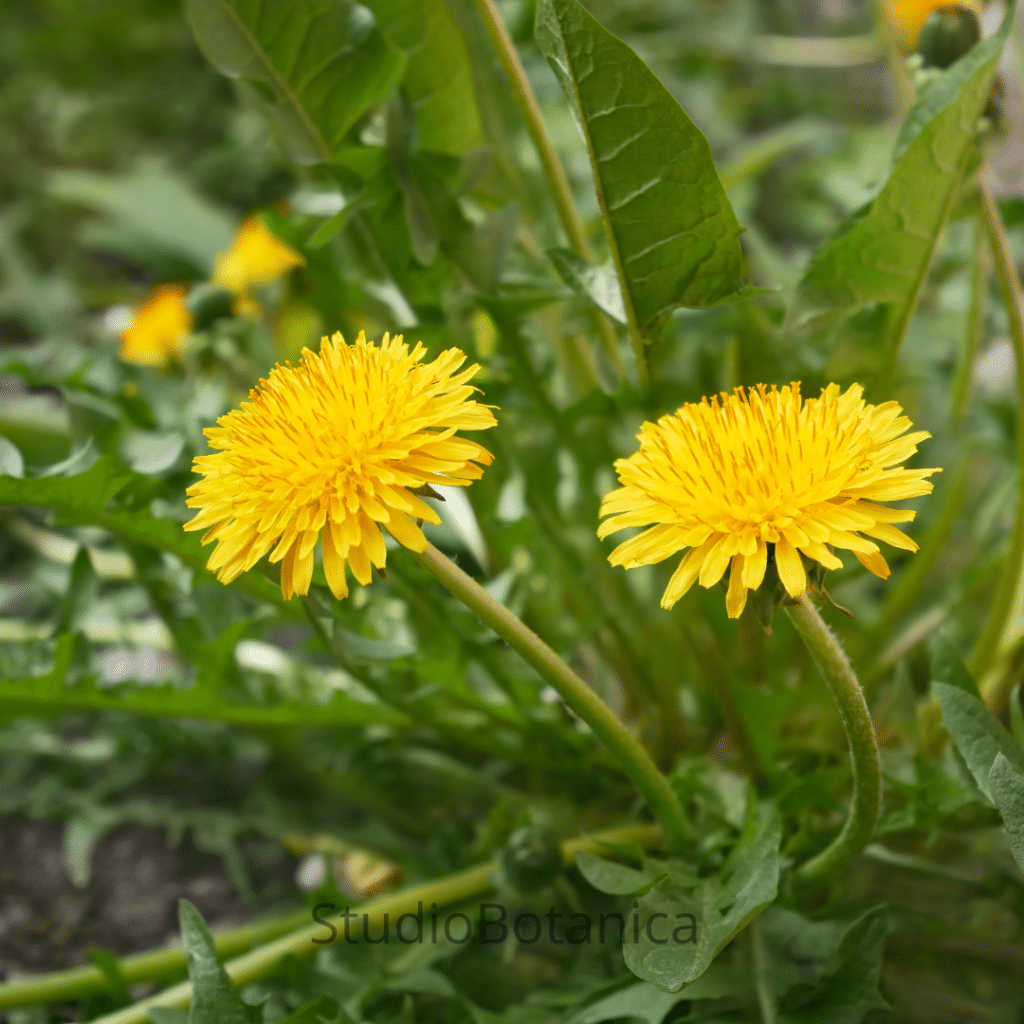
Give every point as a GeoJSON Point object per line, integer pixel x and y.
{"type": "Point", "coordinates": [360, 562]}
{"type": "Point", "coordinates": [715, 563]}
{"type": "Point", "coordinates": [373, 542]}
{"type": "Point", "coordinates": [821, 554]}
{"type": "Point", "coordinates": [790, 568]}
{"type": "Point", "coordinates": [754, 567]}
{"type": "Point", "coordinates": [334, 567]}
{"type": "Point", "coordinates": [302, 574]}
{"type": "Point", "coordinates": [874, 562]}
{"type": "Point", "coordinates": [850, 541]}
{"type": "Point", "coordinates": [406, 532]}
{"type": "Point", "coordinates": [686, 573]}
{"type": "Point", "coordinates": [736, 598]}
{"type": "Point", "coordinates": [897, 538]}
{"type": "Point", "coordinates": [288, 572]}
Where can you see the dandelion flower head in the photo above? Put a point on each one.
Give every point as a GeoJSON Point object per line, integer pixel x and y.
{"type": "Point", "coordinates": [332, 450]}
{"type": "Point", "coordinates": [158, 328]}
{"type": "Point", "coordinates": [255, 258]}
{"type": "Point", "coordinates": [761, 471]}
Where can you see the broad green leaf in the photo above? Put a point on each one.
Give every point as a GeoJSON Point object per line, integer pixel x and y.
{"type": "Point", "coordinates": [615, 879]}
{"type": "Point", "coordinates": [652, 1004]}
{"type": "Point", "coordinates": [672, 231]}
{"type": "Point", "coordinates": [799, 950]}
{"type": "Point", "coordinates": [852, 973]}
{"type": "Point", "coordinates": [154, 206]}
{"type": "Point", "coordinates": [424, 233]}
{"type": "Point", "coordinates": [214, 999]}
{"type": "Point", "coordinates": [1007, 785]}
{"type": "Point", "coordinates": [438, 78]}
{"type": "Point", "coordinates": [86, 499]}
{"type": "Point", "coordinates": [322, 62]}
{"type": "Point", "coordinates": [703, 915]}
{"type": "Point", "coordinates": [598, 284]}
{"type": "Point", "coordinates": [55, 692]}
{"type": "Point", "coordinates": [324, 1008]}
{"type": "Point", "coordinates": [949, 668]}
{"type": "Point", "coordinates": [977, 733]}
{"type": "Point", "coordinates": [883, 252]}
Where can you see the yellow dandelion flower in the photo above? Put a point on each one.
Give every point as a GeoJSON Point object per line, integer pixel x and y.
{"type": "Point", "coordinates": [255, 258]}
{"type": "Point", "coordinates": [764, 472]}
{"type": "Point", "coordinates": [158, 328]}
{"type": "Point", "coordinates": [332, 450]}
{"type": "Point", "coordinates": [908, 16]}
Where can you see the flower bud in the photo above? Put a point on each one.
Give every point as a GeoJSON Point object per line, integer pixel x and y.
{"type": "Point", "coordinates": [947, 34]}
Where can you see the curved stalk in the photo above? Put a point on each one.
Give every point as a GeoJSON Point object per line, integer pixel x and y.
{"type": "Point", "coordinates": [830, 658]}
{"type": "Point", "coordinates": [62, 986]}
{"type": "Point", "coordinates": [561, 190]}
{"type": "Point", "coordinates": [986, 650]}
{"type": "Point", "coordinates": [579, 697]}
{"type": "Point", "coordinates": [444, 892]}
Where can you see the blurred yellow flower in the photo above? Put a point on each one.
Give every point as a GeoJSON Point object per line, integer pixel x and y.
{"type": "Point", "coordinates": [907, 16]}
{"type": "Point", "coordinates": [255, 258]}
{"type": "Point", "coordinates": [331, 450]}
{"type": "Point", "coordinates": [158, 328]}
{"type": "Point", "coordinates": [762, 474]}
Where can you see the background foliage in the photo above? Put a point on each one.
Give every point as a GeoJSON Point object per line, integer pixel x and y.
{"type": "Point", "coordinates": [383, 142]}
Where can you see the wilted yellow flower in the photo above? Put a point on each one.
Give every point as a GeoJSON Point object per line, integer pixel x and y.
{"type": "Point", "coordinates": [331, 450]}
{"type": "Point", "coordinates": [763, 471]}
{"type": "Point", "coordinates": [907, 16]}
{"type": "Point", "coordinates": [158, 327]}
{"type": "Point", "coordinates": [256, 257]}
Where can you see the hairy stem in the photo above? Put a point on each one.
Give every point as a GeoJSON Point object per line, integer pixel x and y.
{"type": "Point", "coordinates": [986, 650]}
{"type": "Point", "coordinates": [830, 658]}
{"type": "Point", "coordinates": [561, 190]}
{"type": "Point", "coordinates": [579, 697]}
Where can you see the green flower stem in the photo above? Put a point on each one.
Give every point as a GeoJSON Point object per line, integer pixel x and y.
{"type": "Point", "coordinates": [445, 892]}
{"type": "Point", "coordinates": [987, 649]}
{"type": "Point", "coordinates": [867, 773]}
{"type": "Point", "coordinates": [574, 691]}
{"type": "Point", "coordinates": [975, 326]}
{"type": "Point", "coordinates": [766, 1000]}
{"type": "Point", "coordinates": [561, 190]}
{"type": "Point", "coordinates": [62, 986]}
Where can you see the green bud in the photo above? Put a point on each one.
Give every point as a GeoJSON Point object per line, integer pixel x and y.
{"type": "Point", "coordinates": [947, 34]}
